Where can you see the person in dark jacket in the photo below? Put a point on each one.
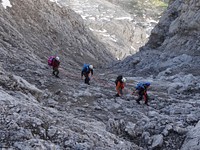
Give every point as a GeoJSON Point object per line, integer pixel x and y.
{"type": "Point", "coordinates": [120, 84]}
{"type": "Point", "coordinates": [86, 71]}
{"type": "Point", "coordinates": [55, 65]}
{"type": "Point", "coordinates": [141, 88]}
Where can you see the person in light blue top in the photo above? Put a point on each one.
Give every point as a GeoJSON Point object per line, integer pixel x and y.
{"type": "Point", "coordinates": [141, 88]}
{"type": "Point", "coordinates": [86, 71]}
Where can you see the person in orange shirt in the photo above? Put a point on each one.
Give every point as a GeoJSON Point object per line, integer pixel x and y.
{"type": "Point", "coordinates": [120, 83]}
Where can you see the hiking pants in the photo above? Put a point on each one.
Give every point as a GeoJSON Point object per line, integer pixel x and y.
{"type": "Point", "coordinates": [143, 93]}
{"type": "Point", "coordinates": [87, 79]}
{"type": "Point", "coordinates": [119, 92]}
{"type": "Point", "coordinates": [55, 72]}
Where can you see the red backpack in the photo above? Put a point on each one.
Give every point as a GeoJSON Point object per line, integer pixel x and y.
{"type": "Point", "coordinates": [50, 60]}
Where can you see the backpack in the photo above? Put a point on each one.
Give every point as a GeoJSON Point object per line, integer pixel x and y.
{"type": "Point", "coordinates": [119, 78]}
{"type": "Point", "coordinates": [139, 86]}
{"type": "Point", "coordinates": [85, 68]}
{"type": "Point", "coordinates": [50, 60]}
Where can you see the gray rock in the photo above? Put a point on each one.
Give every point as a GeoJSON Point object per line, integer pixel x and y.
{"type": "Point", "coordinates": [168, 128]}
{"type": "Point", "coordinates": [180, 130]}
{"type": "Point", "coordinates": [146, 137]}
{"type": "Point", "coordinates": [157, 141]}
{"type": "Point", "coordinates": [51, 131]}
{"type": "Point", "coordinates": [191, 118]}
{"type": "Point", "coordinates": [153, 114]}
{"type": "Point", "coordinates": [130, 129]}
{"type": "Point", "coordinates": [192, 140]}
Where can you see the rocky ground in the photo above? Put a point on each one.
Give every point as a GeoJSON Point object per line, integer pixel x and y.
{"type": "Point", "coordinates": [173, 45]}
{"type": "Point", "coordinates": [64, 113]}
{"type": "Point", "coordinates": [39, 111]}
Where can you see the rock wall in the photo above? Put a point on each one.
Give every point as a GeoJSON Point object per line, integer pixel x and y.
{"type": "Point", "coordinates": [123, 26]}
{"type": "Point", "coordinates": [172, 55]}
{"type": "Point", "coordinates": [173, 44]}
{"type": "Point", "coordinates": [31, 31]}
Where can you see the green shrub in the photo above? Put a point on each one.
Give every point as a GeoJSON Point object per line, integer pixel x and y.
{"type": "Point", "coordinates": [159, 3]}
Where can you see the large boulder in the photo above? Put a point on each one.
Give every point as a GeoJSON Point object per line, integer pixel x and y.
{"type": "Point", "coordinates": [192, 140]}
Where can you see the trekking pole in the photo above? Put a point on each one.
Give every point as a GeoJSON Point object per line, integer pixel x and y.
{"type": "Point", "coordinates": [134, 92]}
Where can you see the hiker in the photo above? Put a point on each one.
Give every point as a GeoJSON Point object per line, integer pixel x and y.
{"type": "Point", "coordinates": [55, 64]}
{"type": "Point", "coordinates": [86, 70]}
{"type": "Point", "coordinates": [141, 89]}
{"type": "Point", "coordinates": [120, 85]}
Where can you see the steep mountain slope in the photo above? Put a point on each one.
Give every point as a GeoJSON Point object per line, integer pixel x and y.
{"type": "Point", "coordinates": [174, 44]}
{"type": "Point", "coordinates": [172, 56]}
{"type": "Point", "coordinates": [123, 26]}
{"type": "Point", "coordinates": [30, 31]}
{"type": "Point", "coordinates": [143, 8]}
{"type": "Point", "coordinates": [49, 30]}
{"type": "Point", "coordinates": [39, 111]}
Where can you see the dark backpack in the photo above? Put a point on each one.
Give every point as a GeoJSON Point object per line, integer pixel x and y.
{"type": "Point", "coordinates": [119, 78]}
{"type": "Point", "coordinates": [85, 68]}
{"type": "Point", "coordinates": [140, 86]}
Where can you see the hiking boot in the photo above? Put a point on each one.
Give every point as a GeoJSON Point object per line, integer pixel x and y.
{"type": "Point", "coordinates": [146, 104]}
{"type": "Point", "coordinates": [117, 95]}
{"type": "Point", "coordinates": [87, 83]}
{"type": "Point", "coordinates": [57, 76]}
{"type": "Point", "coordinates": [138, 101]}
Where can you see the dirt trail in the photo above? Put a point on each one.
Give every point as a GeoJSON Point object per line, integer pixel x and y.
{"type": "Point", "coordinates": [96, 100]}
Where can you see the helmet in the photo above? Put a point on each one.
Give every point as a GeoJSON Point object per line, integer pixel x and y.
{"type": "Point", "coordinates": [57, 58]}
{"type": "Point", "coordinates": [147, 83]}
{"type": "Point", "coordinates": [90, 66]}
{"type": "Point", "coordinates": [123, 79]}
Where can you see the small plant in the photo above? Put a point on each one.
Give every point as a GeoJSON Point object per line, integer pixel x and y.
{"type": "Point", "coordinates": [159, 3]}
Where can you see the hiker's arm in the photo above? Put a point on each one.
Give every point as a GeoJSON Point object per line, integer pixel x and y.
{"type": "Point", "coordinates": [58, 64]}
{"type": "Point", "coordinates": [91, 71]}
{"type": "Point", "coordinates": [134, 92]}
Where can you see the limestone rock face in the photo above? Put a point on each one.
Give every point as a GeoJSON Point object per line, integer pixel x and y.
{"type": "Point", "coordinates": [43, 28]}
{"type": "Point", "coordinates": [123, 25]}
{"type": "Point", "coordinates": [174, 42]}
{"type": "Point", "coordinates": [172, 55]}
{"type": "Point", "coordinates": [191, 142]}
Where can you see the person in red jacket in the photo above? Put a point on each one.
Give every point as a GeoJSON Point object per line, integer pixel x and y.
{"type": "Point", "coordinates": [55, 65]}
{"type": "Point", "coordinates": [120, 83]}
